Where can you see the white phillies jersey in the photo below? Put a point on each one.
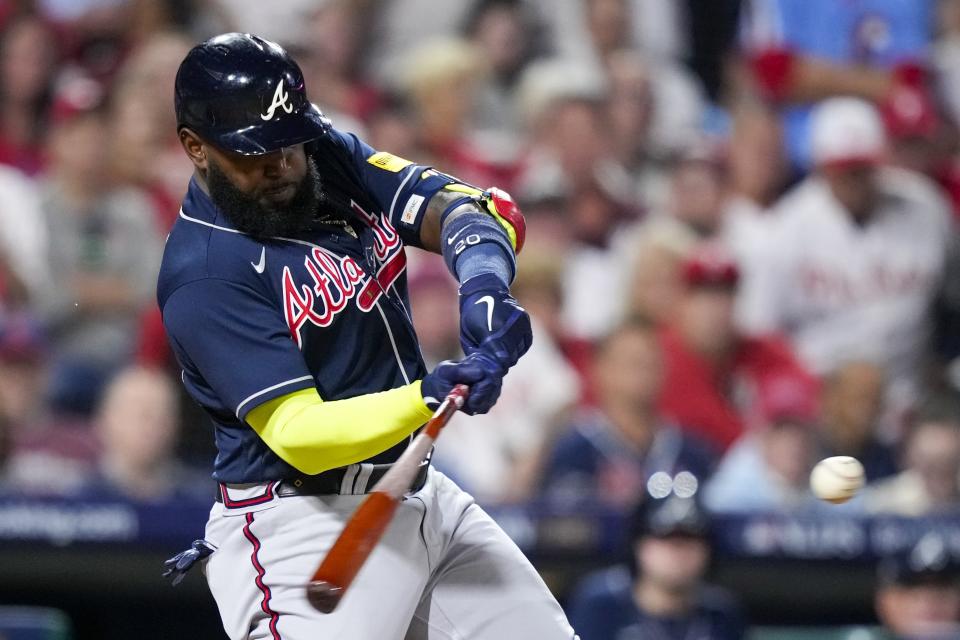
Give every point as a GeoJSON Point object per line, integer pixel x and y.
{"type": "Point", "coordinates": [844, 291]}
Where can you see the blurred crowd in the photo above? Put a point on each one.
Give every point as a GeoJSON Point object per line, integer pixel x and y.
{"type": "Point", "coordinates": [741, 254]}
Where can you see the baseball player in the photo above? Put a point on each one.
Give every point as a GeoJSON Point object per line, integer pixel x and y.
{"type": "Point", "coordinates": [284, 295]}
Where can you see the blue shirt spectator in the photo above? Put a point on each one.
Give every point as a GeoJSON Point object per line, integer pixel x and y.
{"type": "Point", "coordinates": [594, 460]}
{"type": "Point", "coordinates": [613, 453]}
{"type": "Point", "coordinates": [661, 595]}
{"type": "Point", "coordinates": [604, 608]}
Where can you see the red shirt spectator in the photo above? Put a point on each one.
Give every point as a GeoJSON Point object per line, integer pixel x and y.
{"type": "Point", "coordinates": [716, 381]}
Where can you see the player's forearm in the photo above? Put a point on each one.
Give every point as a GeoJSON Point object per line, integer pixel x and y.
{"type": "Point", "coordinates": [314, 436]}
{"type": "Point", "coordinates": [473, 232]}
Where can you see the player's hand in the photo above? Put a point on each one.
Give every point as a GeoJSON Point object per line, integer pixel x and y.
{"type": "Point", "coordinates": [176, 567]}
{"type": "Point", "coordinates": [491, 319]}
{"type": "Point", "coordinates": [482, 373]}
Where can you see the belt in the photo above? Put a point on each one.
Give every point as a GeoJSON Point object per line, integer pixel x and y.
{"type": "Point", "coordinates": [355, 479]}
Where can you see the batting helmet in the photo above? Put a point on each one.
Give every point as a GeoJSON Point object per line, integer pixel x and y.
{"type": "Point", "coordinates": [245, 94]}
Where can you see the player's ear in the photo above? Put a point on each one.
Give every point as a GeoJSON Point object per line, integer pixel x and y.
{"type": "Point", "coordinates": [193, 145]}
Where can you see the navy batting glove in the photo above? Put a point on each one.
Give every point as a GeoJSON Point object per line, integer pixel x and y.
{"type": "Point", "coordinates": [491, 319]}
{"type": "Point", "coordinates": [482, 373]}
{"type": "Point", "coordinates": [178, 565]}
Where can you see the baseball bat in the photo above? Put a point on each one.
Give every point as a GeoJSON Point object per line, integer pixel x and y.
{"type": "Point", "coordinates": [365, 528]}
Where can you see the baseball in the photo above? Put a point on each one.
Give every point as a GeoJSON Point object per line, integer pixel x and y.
{"type": "Point", "coordinates": [837, 479]}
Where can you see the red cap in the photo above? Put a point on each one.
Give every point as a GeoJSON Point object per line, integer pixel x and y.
{"type": "Point", "coordinates": [710, 266]}
{"type": "Point", "coordinates": [788, 398]}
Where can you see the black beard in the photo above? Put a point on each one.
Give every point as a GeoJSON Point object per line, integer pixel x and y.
{"type": "Point", "coordinates": [249, 216]}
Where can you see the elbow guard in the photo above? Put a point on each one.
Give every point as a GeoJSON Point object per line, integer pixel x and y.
{"type": "Point", "coordinates": [501, 207]}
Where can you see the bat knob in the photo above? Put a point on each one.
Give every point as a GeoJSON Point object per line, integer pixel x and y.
{"type": "Point", "coordinates": [323, 596]}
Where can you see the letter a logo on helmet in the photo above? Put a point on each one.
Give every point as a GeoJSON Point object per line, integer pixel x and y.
{"type": "Point", "coordinates": [280, 98]}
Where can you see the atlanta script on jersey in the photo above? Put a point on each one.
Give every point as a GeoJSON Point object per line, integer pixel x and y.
{"type": "Point", "coordinates": [326, 309]}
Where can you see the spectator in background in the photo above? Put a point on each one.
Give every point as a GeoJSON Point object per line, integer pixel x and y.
{"type": "Point", "coordinates": [656, 282]}
{"type": "Point", "coordinates": [918, 591]}
{"type": "Point", "coordinates": [613, 49]}
{"type": "Point", "coordinates": [28, 58]}
{"type": "Point", "coordinates": [930, 480]}
{"type": "Point", "coordinates": [855, 256]}
{"type": "Point", "coordinates": [802, 52]}
{"type": "Point", "coordinates": [285, 23]}
{"type": "Point", "coordinates": [507, 36]}
{"type": "Point", "coordinates": [46, 455]}
{"type": "Point", "coordinates": [104, 248]}
{"type": "Point", "coordinates": [563, 109]}
{"type": "Point", "coordinates": [851, 402]}
{"type": "Point", "coordinates": [399, 26]}
{"type": "Point", "coordinates": [611, 454]}
{"type": "Point", "coordinates": [593, 282]}
{"type": "Point", "coordinates": [539, 288]}
{"type": "Point", "coordinates": [661, 595]}
{"type": "Point", "coordinates": [571, 165]}
{"type": "Point", "coordinates": [945, 57]}
{"type": "Point", "coordinates": [630, 111]}
{"type": "Point", "coordinates": [5, 437]}
{"type": "Point", "coordinates": [444, 117]}
{"type": "Point", "coordinates": [23, 352]}
{"type": "Point", "coordinates": [694, 208]}
{"type": "Point", "coordinates": [433, 303]}
{"type": "Point", "coordinates": [716, 379]}
{"type": "Point", "coordinates": [768, 469]}
{"type": "Point", "coordinates": [144, 151]}
{"type": "Point", "coordinates": [332, 60]}
{"type": "Point", "coordinates": [391, 126]}
{"type": "Point", "coordinates": [651, 26]}
{"type": "Point", "coordinates": [23, 240]}
{"type": "Point", "coordinates": [137, 427]}
{"type": "Point", "coordinates": [758, 174]}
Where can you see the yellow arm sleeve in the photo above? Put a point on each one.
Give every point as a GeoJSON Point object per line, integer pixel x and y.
{"type": "Point", "coordinates": [315, 436]}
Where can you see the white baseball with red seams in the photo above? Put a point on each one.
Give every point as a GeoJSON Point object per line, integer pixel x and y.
{"type": "Point", "coordinates": [837, 479]}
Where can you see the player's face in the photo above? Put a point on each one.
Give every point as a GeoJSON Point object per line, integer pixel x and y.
{"type": "Point", "coordinates": [266, 209]}
{"type": "Point", "coordinates": [270, 179]}
{"type": "Point", "coordinates": [274, 194]}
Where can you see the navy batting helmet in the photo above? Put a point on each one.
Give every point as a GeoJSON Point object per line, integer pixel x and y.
{"type": "Point", "coordinates": [245, 94]}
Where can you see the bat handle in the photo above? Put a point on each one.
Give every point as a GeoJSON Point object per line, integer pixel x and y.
{"type": "Point", "coordinates": [458, 395]}
{"type": "Point", "coordinates": [449, 406]}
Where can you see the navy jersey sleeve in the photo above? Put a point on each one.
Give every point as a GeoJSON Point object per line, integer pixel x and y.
{"type": "Point", "coordinates": [232, 340]}
{"type": "Point", "coordinates": [400, 188]}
